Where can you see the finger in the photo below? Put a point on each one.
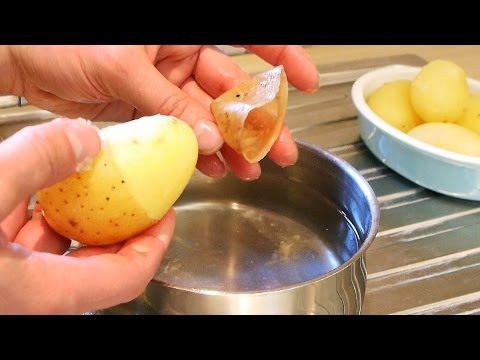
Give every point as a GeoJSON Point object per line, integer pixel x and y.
{"type": "Point", "coordinates": [37, 235]}
{"type": "Point", "coordinates": [88, 251]}
{"type": "Point", "coordinates": [300, 69]}
{"type": "Point", "coordinates": [211, 165]}
{"type": "Point", "coordinates": [52, 284]}
{"type": "Point", "coordinates": [144, 87]}
{"type": "Point", "coordinates": [14, 221]}
{"type": "Point", "coordinates": [191, 87]}
{"type": "Point", "coordinates": [124, 275]}
{"type": "Point", "coordinates": [239, 166]}
{"type": "Point", "coordinates": [216, 72]}
{"type": "Point", "coordinates": [39, 156]}
{"type": "Point", "coordinates": [175, 62]}
{"type": "Point", "coordinates": [284, 151]}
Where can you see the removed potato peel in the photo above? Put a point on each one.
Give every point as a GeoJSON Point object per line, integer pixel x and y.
{"type": "Point", "coordinates": [250, 115]}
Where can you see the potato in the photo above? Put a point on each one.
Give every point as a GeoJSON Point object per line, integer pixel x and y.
{"type": "Point", "coordinates": [439, 92]}
{"type": "Point", "coordinates": [471, 115]}
{"type": "Point", "coordinates": [448, 136]}
{"type": "Point", "coordinates": [250, 115]}
{"type": "Point", "coordinates": [392, 104]}
{"type": "Point", "coordinates": [143, 167]}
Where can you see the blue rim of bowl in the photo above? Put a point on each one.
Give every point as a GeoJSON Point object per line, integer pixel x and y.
{"type": "Point", "coordinates": [360, 103]}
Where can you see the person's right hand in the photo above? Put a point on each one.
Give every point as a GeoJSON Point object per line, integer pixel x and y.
{"type": "Point", "coordinates": [120, 83]}
{"type": "Point", "coordinates": [35, 278]}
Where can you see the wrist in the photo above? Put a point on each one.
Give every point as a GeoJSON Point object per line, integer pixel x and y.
{"type": "Point", "coordinates": [7, 73]}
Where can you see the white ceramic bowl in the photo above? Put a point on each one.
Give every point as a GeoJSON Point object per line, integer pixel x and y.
{"type": "Point", "coordinates": [433, 168]}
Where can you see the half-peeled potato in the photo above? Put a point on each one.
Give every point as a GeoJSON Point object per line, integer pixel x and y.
{"type": "Point", "coordinates": [250, 115]}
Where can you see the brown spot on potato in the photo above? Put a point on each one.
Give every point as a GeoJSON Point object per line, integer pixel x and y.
{"type": "Point", "coordinates": [107, 198]}
{"type": "Point", "coordinates": [57, 210]}
{"type": "Point", "coordinates": [60, 189]}
{"type": "Point", "coordinates": [73, 222]}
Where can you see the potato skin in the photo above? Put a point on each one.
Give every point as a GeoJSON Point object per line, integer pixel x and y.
{"type": "Point", "coordinates": [93, 207]}
{"type": "Point", "coordinates": [439, 92]}
{"type": "Point", "coordinates": [250, 115]}
{"type": "Point", "coordinates": [448, 136]}
{"type": "Point", "coordinates": [392, 104]}
{"type": "Point", "coordinates": [143, 167]}
{"type": "Point", "coordinates": [471, 116]}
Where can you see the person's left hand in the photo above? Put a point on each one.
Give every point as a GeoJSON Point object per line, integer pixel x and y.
{"type": "Point", "coordinates": [120, 83]}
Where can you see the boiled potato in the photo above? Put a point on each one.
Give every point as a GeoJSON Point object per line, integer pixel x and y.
{"type": "Point", "coordinates": [251, 114]}
{"type": "Point", "coordinates": [439, 92]}
{"type": "Point", "coordinates": [448, 136]}
{"type": "Point", "coordinates": [392, 104]}
{"type": "Point", "coordinates": [143, 167]}
{"type": "Point", "coordinates": [471, 116]}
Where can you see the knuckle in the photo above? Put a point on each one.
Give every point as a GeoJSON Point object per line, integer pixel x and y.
{"type": "Point", "coordinates": [116, 59]}
{"type": "Point", "coordinates": [176, 104]}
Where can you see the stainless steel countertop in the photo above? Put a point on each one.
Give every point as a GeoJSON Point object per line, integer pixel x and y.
{"type": "Point", "coordinates": [426, 257]}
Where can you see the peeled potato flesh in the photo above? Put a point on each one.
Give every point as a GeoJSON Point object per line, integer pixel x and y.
{"type": "Point", "coordinates": [448, 136]}
{"type": "Point", "coordinates": [471, 116]}
{"type": "Point", "coordinates": [250, 115]}
{"type": "Point", "coordinates": [392, 104]}
{"type": "Point", "coordinates": [143, 167]}
{"type": "Point", "coordinates": [439, 92]}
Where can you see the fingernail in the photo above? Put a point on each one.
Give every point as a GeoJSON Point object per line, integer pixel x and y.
{"type": "Point", "coordinates": [84, 140]}
{"type": "Point", "coordinates": [288, 158]}
{"type": "Point", "coordinates": [208, 136]}
{"type": "Point", "coordinates": [140, 248]}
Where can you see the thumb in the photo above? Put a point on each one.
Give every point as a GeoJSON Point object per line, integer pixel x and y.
{"type": "Point", "coordinates": [39, 156]}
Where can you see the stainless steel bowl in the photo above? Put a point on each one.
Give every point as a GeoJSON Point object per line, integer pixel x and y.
{"type": "Point", "coordinates": [292, 242]}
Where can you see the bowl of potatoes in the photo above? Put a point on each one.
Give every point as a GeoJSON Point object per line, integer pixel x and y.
{"type": "Point", "coordinates": [424, 123]}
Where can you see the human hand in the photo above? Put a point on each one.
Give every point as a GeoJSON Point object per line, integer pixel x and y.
{"type": "Point", "coordinates": [120, 83]}
{"type": "Point", "coordinates": [34, 276]}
